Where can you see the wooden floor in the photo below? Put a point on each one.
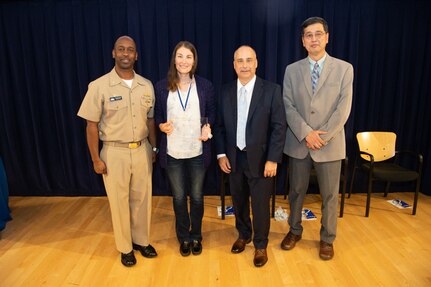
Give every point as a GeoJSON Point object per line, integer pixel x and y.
{"type": "Point", "coordinates": [68, 241]}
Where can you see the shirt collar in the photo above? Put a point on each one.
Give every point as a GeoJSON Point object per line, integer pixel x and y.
{"type": "Point", "coordinates": [114, 78]}
{"type": "Point", "coordinates": [248, 87]}
{"type": "Point", "coordinates": [321, 62]}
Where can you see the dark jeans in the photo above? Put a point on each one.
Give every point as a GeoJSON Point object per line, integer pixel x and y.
{"type": "Point", "coordinates": [187, 176]}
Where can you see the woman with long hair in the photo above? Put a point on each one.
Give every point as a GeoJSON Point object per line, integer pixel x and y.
{"type": "Point", "coordinates": [184, 112]}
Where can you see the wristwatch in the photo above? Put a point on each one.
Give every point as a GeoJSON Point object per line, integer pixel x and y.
{"type": "Point", "coordinates": [156, 150]}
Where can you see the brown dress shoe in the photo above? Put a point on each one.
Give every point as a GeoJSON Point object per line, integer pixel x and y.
{"type": "Point", "coordinates": [260, 257]}
{"type": "Point", "coordinates": [289, 241]}
{"type": "Point", "coordinates": [326, 250]}
{"type": "Point", "coordinates": [239, 245]}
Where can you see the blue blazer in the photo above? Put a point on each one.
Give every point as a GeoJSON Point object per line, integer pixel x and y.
{"type": "Point", "coordinates": [207, 107]}
{"type": "Point", "coordinates": [265, 129]}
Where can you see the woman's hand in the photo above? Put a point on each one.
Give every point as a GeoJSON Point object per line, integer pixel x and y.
{"type": "Point", "coordinates": [205, 133]}
{"type": "Point", "coordinates": [167, 127]}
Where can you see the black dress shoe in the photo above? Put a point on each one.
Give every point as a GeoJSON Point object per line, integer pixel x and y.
{"type": "Point", "coordinates": [196, 247]}
{"type": "Point", "coordinates": [185, 248]}
{"type": "Point", "coordinates": [146, 251]}
{"type": "Point", "coordinates": [260, 257]}
{"type": "Point", "coordinates": [128, 259]}
{"type": "Point", "coordinates": [239, 245]}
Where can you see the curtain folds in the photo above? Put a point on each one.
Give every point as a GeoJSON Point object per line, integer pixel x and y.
{"type": "Point", "coordinates": [50, 51]}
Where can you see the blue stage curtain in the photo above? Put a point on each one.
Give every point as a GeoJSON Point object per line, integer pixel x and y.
{"type": "Point", "coordinates": [50, 50]}
{"type": "Point", "coordinates": [4, 198]}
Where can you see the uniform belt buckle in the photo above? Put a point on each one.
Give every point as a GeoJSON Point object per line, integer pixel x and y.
{"type": "Point", "coordinates": [134, 145]}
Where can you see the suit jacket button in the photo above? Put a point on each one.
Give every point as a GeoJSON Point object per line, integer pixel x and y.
{"type": "Point", "coordinates": [312, 112]}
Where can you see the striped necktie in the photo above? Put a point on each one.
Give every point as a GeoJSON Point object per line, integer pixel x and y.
{"type": "Point", "coordinates": [314, 77]}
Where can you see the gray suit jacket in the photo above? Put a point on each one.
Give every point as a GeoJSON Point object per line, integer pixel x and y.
{"type": "Point", "coordinates": [327, 110]}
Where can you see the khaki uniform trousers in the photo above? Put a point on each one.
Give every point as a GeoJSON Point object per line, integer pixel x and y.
{"type": "Point", "coordinates": [128, 184]}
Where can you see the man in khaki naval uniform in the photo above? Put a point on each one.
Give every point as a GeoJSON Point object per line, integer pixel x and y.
{"type": "Point", "coordinates": [118, 108]}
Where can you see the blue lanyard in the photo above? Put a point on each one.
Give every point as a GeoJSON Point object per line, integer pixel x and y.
{"type": "Point", "coordinates": [187, 99]}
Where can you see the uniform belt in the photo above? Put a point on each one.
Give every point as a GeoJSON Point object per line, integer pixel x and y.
{"type": "Point", "coordinates": [130, 145]}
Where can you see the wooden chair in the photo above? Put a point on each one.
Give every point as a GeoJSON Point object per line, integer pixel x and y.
{"type": "Point", "coordinates": [379, 159]}
{"type": "Point", "coordinates": [313, 180]}
{"type": "Point", "coordinates": [224, 182]}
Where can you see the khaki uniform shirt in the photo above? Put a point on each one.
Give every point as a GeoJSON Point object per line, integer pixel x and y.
{"type": "Point", "coordinates": [121, 111]}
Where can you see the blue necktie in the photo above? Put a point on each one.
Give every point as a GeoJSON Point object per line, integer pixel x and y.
{"type": "Point", "coordinates": [242, 118]}
{"type": "Point", "coordinates": [314, 77]}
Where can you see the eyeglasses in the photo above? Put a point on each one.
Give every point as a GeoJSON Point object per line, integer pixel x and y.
{"type": "Point", "coordinates": [318, 35]}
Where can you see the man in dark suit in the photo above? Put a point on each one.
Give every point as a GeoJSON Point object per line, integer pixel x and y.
{"type": "Point", "coordinates": [250, 134]}
{"type": "Point", "coordinates": [317, 96]}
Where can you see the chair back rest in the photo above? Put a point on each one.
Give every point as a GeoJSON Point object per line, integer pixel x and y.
{"type": "Point", "coordinates": [380, 144]}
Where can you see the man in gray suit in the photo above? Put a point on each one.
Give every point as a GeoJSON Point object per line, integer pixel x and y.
{"type": "Point", "coordinates": [317, 96]}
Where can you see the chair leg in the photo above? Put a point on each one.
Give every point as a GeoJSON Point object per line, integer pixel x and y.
{"type": "Point", "coordinates": [370, 184]}
{"type": "Point", "coordinates": [343, 191]}
{"type": "Point", "coordinates": [343, 194]}
{"type": "Point", "coordinates": [274, 192]}
{"type": "Point", "coordinates": [352, 181]}
{"type": "Point", "coordinates": [388, 185]}
{"type": "Point", "coordinates": [222, 194]}
{"type": "Point", "coordinates": [286, 185]}
{"type": "Point", "coordinates": [415, 202]}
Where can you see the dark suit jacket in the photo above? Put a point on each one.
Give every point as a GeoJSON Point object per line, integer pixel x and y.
{"type": "Point", "coordinates": [207, 105]}
{"type": "Point", "coordinates": [265, 129]}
